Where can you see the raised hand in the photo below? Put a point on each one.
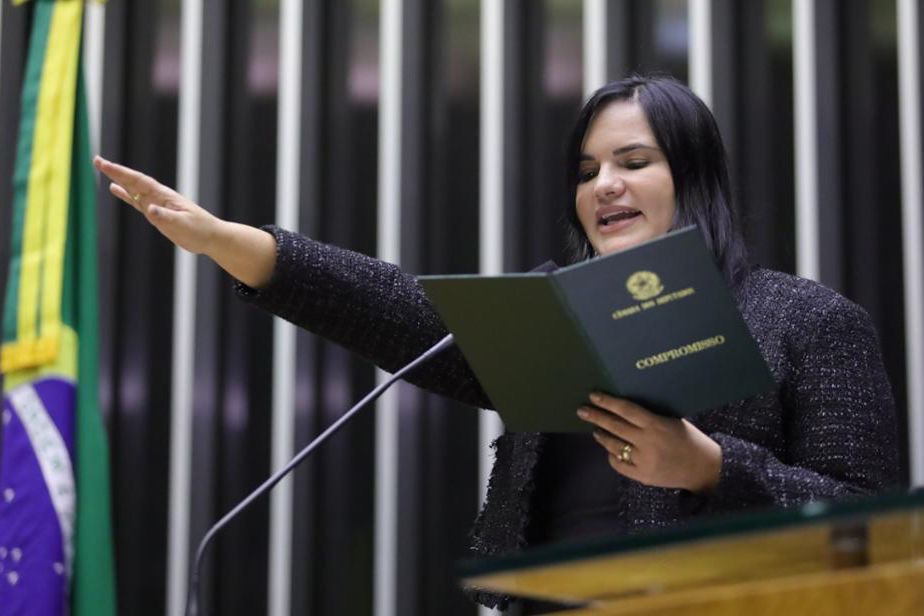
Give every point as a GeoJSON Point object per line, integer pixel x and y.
{"type": "Point", "coordinates": [247, 253]}
{"type": "Point", "coordinates": [183, 222]}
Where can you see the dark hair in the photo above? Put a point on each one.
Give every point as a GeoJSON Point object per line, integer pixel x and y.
{"type": "Point", "coordinates": [688, 135]}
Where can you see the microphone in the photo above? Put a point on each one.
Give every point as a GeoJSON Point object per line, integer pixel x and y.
{"type": "Point", "coordinates": [192, 597]}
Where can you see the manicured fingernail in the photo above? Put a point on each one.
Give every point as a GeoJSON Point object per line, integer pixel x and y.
{"type": "Point", "coordinates": [583, 414]}
{"type": "Point", "coordinates": [595, 397]}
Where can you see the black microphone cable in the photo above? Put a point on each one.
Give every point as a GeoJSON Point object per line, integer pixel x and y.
{"type": "Point", "coordinates": [192, 596]}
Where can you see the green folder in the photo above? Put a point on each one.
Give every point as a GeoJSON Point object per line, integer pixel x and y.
{"type": "Point", "coordinates": [654, 323]}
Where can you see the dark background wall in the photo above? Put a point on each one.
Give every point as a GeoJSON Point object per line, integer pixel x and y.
{"type": "Point", "coordinates": [332, 543]}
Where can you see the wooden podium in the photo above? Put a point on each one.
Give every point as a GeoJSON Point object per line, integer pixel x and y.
{"type": "Point", "coordinates": [861, 557]}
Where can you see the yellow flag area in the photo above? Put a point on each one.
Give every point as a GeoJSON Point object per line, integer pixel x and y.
{"type": "Point", "coordinates": [55, 453]}
{"type": "Point", "coordinates": [18, 2]}
{"type": "Point", "coordinates": [45, 225]}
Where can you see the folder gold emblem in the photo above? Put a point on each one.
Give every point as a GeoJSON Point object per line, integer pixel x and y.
{"type": "Point", "coordinates": [644, 285]}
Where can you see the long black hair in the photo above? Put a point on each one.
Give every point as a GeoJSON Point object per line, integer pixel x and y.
{"type": "Point", "coordinates": [688, 135]}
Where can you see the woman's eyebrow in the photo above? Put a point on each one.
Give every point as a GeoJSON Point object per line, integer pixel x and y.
{"type": "Point", "coordinates": [624, 149]}
{"type": "Point", "coordinates": [633, 146]}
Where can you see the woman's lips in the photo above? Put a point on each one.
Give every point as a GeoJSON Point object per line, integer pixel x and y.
{"type": "Point", "coordinates": [615, 221]}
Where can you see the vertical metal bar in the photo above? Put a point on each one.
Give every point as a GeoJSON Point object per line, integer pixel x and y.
{"type": "Point", "coordinates": [491, 192]}
{"type": "Point", "coordinates": [595, 54]}
{"type": "Point", "coordinates": [94, 37]}
{"type": "Point", "coordinates": [279, 581]}
{"type": "Point", "coordinates": [909, 89]}
{"type": "Point", "coordinates": [184, 308]}
{"type": "Point", "coordinates": [389, 249]}
{"type": "Point", "coordinates": [806, 139]}
{"type": "Point", "coordinates": [491, 221]}
{"type": "Point", "coordinates": [207, 405]}
{"type": "Point", "coordinates": [700, 54]}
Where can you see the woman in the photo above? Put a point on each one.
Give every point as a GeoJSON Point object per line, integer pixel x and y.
{"type": "Point", "coordinates": [645, 157]}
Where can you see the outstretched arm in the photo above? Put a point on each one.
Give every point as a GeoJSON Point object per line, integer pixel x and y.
{"type": "Point", "coordinates": [369, 306]}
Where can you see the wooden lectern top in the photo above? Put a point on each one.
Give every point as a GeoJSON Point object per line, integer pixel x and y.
{"type": "Point", "coordinates": [862, 556]}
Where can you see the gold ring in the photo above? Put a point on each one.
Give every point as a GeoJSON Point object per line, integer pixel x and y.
{"type": "Point", "coordinates": [625, 455]}
{"type": "Point", "coordinates": [135, 197]}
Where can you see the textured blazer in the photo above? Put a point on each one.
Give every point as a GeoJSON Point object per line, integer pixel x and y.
{"type": "Point", "coordinates": [827, 430]}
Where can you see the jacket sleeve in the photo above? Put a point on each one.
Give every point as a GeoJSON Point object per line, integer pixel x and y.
{"type": "Point", "coordinates": [368, 306]}
{"type": "Point", "coordinates": [839, 417]}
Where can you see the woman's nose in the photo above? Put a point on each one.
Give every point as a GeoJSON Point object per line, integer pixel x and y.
{"type": "Point", "coordinates": [609, 184]}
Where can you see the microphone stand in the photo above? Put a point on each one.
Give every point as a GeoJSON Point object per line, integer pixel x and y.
{"type": "Point", "coordinates": [192, 597]}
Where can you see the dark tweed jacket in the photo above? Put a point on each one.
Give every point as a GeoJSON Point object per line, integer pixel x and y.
{"type": "Point", "coordinates": [826, 431]}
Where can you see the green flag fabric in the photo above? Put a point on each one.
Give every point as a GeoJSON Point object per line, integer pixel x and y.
{"type": "Point", "coordinates": [56, 553]}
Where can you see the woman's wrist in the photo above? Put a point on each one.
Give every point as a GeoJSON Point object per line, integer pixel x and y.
{"type": "Point", "coordinates": [246, 253]}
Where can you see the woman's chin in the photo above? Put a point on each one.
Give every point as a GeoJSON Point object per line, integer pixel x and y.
{"type": "Point", "coordinates": [607, 245]}
{"type": "Point", "coordinates": [615, 244]}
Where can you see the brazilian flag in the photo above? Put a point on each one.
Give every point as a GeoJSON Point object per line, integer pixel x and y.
{"type": "Point", "coordinates": [55, 530]}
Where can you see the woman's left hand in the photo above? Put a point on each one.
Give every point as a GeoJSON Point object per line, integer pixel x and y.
{"type": "Point", "coordinates": [658, 451]}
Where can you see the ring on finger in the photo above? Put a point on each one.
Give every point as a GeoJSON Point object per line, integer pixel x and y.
{"type": "Point", "coordinates": [625, 454]}
{"type": "Point", "coordinates": [136, 197]}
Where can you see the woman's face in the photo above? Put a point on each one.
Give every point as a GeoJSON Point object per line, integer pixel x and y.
{"type": "Point", "coordinates": [625, 193]}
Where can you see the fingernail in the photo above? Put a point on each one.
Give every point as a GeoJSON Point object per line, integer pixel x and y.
{"type": "Point", "coordinates": [595, 397]}
{"type": "Point", "coordinates": [582, 413]}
